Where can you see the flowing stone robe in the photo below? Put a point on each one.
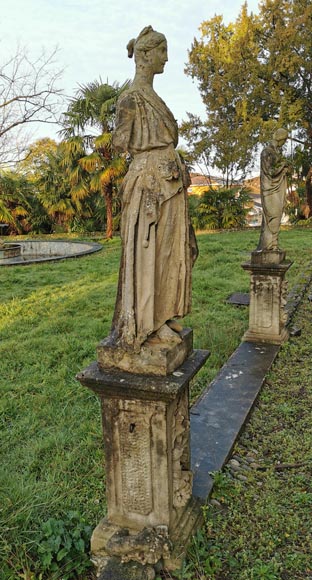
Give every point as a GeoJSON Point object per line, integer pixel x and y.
{"type": "Point", "coordinates": [155, 270]}
{"type": "Point", "coordinates": [273, 185]}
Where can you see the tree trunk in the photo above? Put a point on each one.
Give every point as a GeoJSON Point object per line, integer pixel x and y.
{"type": "Point", "coordinates": [108, 196]}
{"type": "Point", "coordinates": [227, 179]}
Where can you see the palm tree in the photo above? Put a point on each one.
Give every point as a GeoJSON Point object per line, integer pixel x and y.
{"type": "Point", "coordinates": [53, 189]}
{"type": "Point", "coordinates": [50, 202]}
{"type": "Point", "coordinates": [88, 155]}
{"type": "Point", "coordinates": [14, 207]}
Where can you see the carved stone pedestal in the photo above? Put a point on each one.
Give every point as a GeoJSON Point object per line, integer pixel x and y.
{"type": "Point", "coordinates": [148, 479]}
{"type": "Point", "coordinates": [268, 291]}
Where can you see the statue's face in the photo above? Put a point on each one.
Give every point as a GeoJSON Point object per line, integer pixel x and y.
{"type": "Point", "coordinates": [158, 57]}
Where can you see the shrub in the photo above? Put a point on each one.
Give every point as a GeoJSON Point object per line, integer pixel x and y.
{"type": "Point", "coordinates": [296, 204]}
{"type": "Point", "coordinates": [219, 209]}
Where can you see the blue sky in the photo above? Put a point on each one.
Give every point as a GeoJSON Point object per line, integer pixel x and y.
{"type": "Point", "coordinates": [92, 35]}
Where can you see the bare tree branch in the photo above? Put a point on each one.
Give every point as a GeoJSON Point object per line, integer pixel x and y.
{"type": "Point", "coordinates": [29, 93]}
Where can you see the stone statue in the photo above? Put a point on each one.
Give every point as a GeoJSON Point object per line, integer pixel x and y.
{"type": "Point", "coordinates": [158, 243]}
{"type": "Point", "coordinates": [273, 185]}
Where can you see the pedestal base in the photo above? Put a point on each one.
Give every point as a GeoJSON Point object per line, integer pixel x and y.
{"type": "Point", "coordinates": [258, 336]}
{"type": "Point", "coordinates": [113, 547]}
{"type": "Point", "coordinates": [146, 547]}
{"type": "Point", "coordinates": [191, 519]}
{"type": "Point", "coordinates": [150, 509]}
{"type": "Point", "coordinates": [114, 569]}
{"type": "Point", "coordinates": [156, 357]}
{"type": "Point", "coordinates": [267, 257]}
{"type": "Point", "coordinates": [268, 292]}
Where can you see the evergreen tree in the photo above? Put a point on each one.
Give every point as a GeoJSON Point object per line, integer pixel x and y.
{"type": "Point", "coordinates": [254, 75]}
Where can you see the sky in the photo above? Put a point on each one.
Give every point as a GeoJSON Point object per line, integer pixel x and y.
{"type": "Point", "coordinates": [91, 36]}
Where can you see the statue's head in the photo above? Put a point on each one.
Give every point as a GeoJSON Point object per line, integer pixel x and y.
{"type": "Point", "coordinates": [280, 136]}
{"type": "Point", "coordinates": [149, 49]}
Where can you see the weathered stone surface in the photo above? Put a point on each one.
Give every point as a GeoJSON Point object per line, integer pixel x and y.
{"type": "Point", "coordinates": [273, 188]}
{"type": "Point", "coordinates": [113, 383]}
{"type": "Point", "coordinates": [112, 547]}
{"type": "Point", "coordinates": [158, 242]}
{"type": "Point", "coordinates": [114, 569]}
{"type": "Point", "coordinates": [189, 520]}
{"type": "Point", "coordinates": [156, 356]}
{"type": "Point", "coordinates": [268, 297]}
{"type": "Point", "coordinates": [146, 546]}
{"type": "Point", "coordinates": [239, 299]}
{"type": "Point", "coordinates": [101, 535]}
{"type": "Point", "coordinates": [182, 476]}
{"type": "Point", "coordinates": [146, 431]}
{"type": "Point", "coordinates": [234, 464]}
{"type": "Point", "coordinates": [147, 459]}
{"type": "Point", "coordinates": [267, 257]}
{"type": "Point", "coordinates": [145, 365]}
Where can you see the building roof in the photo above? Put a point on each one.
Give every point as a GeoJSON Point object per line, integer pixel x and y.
{"type": "Point", "coordinates": [200, 179]}
{"type": "Point", "coordinates": [253, 185]}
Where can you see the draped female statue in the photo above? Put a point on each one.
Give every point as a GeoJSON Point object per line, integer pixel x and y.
{"type": "Point", "coordinates": [273, 185]}
{"type": "Point", "coordinates": [158, 245]}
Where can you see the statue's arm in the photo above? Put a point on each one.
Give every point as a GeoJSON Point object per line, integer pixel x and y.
{"type": "Point", "coordinates": [281, 166]}
{"type": "Point", "coordinates": [125, 116]}
{"type": "Point", "coordinates": [273, 165]}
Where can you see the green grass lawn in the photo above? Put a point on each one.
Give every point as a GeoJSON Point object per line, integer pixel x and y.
{"type": "Point", "coordinates": [258, 524]}
{"type": "Point", "coordinates": [52, 315]}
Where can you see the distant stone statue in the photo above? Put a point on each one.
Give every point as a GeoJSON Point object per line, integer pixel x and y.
{"type": "Point", "coordinates": [273, 185]}
{"type": "Point", "coordinates": [158, 244]}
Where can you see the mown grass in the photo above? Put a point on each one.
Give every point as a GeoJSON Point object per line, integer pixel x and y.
{"type": "Point", "coordinates": [51, 319]}
{"type": "Point", "coordinates": [258, 525]}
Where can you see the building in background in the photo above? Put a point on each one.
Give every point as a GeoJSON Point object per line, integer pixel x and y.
{"type": "Point", "coordinates": [254, 216]}
{"type": "Point", "coordinates": [200, 183]}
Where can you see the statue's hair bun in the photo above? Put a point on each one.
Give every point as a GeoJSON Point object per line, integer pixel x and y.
{"type": "Point", "coordinates": [130, 47]}
{"type": "Point", "coordinates": [147, 39]}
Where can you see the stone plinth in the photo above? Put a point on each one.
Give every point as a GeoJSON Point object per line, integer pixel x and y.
{"type": "Point", "coordinates": [267, 257]}
{"type": "Point", "coordinates": [147, 448]}
{"type": "Point", "coordinates": [156, 357]}
{"type": "Point", "coordinates": [268, 292]}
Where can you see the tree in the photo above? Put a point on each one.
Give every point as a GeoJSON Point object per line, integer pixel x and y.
{"type": "Point", "coordinates": [46, 197]}
{"type": "Point", "coordinates": [286, 53]}
{"type": "Point", "coordinates": [89, 157]}
{"type": "Point", "coordinates": [29, 94]}
{"type": "Point", "coordinates": [43, 166]}
{"type": "Point", "coordinates": [197, 137]}
{"type": "Point", "coordinates": [223, 62]}
{"type": "Point", "coordinates": [14, 206]}
{"type": "Point", "coordinates": [254, 74]}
